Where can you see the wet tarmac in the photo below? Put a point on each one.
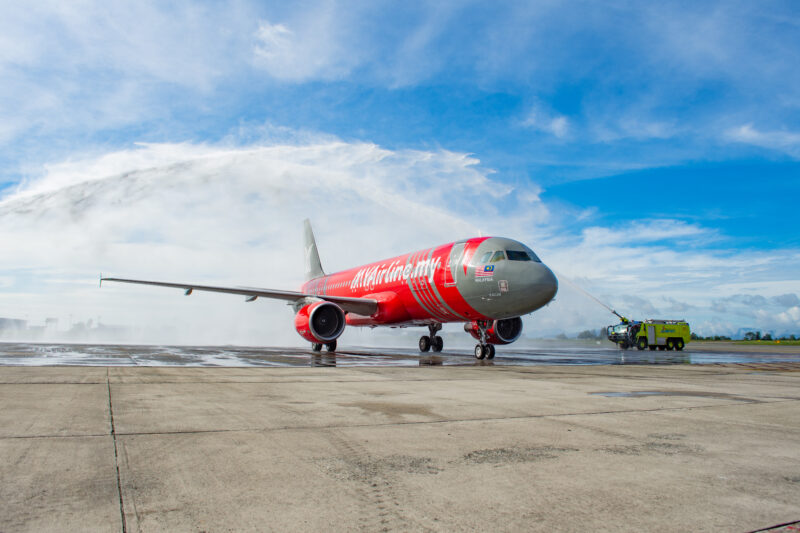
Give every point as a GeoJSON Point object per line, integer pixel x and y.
{"type": "Point", "coordinates": [33, 354]}
{"type": "Point", "coordinates": [624, 448]}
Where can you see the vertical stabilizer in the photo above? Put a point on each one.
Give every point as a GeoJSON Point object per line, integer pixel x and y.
{"type": "Point", "coordinates": [313, 266]}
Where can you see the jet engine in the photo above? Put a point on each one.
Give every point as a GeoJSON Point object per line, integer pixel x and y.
{"type": "Point", "coordinates": [503, 331]}
{"type": "Point", "coordinates": [320, 322]}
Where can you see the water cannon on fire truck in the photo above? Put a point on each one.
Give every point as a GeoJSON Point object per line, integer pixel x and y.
{"type": "Point", "coordinates": [647, 334]}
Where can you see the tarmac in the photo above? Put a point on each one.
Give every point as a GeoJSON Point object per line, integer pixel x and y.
{"type": "Point", "coordinates": [430, 448]}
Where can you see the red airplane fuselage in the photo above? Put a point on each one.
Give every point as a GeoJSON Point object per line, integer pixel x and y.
{"type": "Point", "coordinates": [414, 288]}
{"type": "Point", "coordinates": [438, 285]}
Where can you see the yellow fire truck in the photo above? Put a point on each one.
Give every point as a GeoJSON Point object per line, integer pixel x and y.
{"type": "Point", "coordinates": [651, 333]}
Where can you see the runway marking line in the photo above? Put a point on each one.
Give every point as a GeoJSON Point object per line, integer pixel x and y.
{"type": "Point", "coordinates": [116, 454]}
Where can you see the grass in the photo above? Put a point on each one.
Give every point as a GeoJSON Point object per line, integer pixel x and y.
{"type": "Point", "coordinates": [768, 343]}
{"type": "Point", "coordinates": [754, 343]}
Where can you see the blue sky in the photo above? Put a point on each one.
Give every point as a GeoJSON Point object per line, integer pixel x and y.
{"type": "Point", "coordinates": [669, 129]}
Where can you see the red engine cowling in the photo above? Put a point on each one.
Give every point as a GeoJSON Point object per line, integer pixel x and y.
{"type": "Point", "coordinates": [503, 331]}
{"type": "Point", "coordinates": [320, 322]}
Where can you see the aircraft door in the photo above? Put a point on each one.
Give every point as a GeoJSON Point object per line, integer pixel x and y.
{"type": "Point", "coordinates": [453, 260]}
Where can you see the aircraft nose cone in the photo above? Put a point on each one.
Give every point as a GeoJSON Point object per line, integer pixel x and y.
{"type": "Point", "coordinates": [543, 286]}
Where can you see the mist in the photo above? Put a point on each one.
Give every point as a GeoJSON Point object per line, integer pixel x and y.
{"type": "Point", "coordinates": [228, 216]}
{"type": "Point", "coordinates": [232, 215]}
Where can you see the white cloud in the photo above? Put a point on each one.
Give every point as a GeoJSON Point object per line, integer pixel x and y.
{"type": "Point", "coordinates": [74, 69]}
{"type": "Point", "coordinates": [90, 65]}
{"type": "Point", "coordinates": [547, 122]}
{"type": "Point", "coordinates": [616, 127]}
{"type": "Point", "coordinates": [311, 49]}
{"type": "Point", "coordinates": [790, 317]}
{"type": "Point", "coordinates": [779, 140]}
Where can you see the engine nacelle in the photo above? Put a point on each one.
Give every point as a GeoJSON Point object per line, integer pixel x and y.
{"type": "Point", "coordinates": [320, 322]}
{"type": "Point", "coordinates": [503, 331]}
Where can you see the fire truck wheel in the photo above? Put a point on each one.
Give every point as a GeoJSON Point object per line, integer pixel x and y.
{"type": "Point", "coordinates": [424, 343]}
{"type": "Point", "coordinates": [480, 351]}
{"type": "Point", "coordinates": [437, 343]}
{"type": "Point", "coordinates": [642, 344]}
{"type": "Point", "coordinates": [652, 348]}
{"type": "Point", "coordinates": [679, 344]}
{"type": "Point", "coordinates": [662, 347]}
{"type": "Point", "coordinates": [670, 344]}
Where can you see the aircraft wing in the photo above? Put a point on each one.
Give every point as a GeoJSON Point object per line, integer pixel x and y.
{"type": "Point", "coordinates": [359, 306]}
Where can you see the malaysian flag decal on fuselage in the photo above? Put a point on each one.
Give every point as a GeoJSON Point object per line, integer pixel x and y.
{"type": "Point", "coordinates": [486, 272]}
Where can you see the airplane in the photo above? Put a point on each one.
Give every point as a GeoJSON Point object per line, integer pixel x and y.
{"type": "Point", "coordinates": [487, 283]}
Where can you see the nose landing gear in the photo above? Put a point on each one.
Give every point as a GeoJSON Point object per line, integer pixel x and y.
{"type": "Point", "coordinates": [431, 341]}
{"type": "Point", "coordinates": [484, 349]}
{"type": "Point", "coordinates": [317, 346]}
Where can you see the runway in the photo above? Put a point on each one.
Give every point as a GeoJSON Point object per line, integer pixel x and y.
{"type": "Point", "coordinates": [445, 448]}
{"type": "Point", "coordinates": [548, 353]}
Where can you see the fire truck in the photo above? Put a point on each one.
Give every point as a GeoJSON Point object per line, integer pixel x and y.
{"type": "Point", "coordinates": [649, 334]}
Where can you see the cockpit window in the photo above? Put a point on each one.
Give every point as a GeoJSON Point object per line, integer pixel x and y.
{"type": "Point", "coordinates": [532, 255]}
{"type": "Point", "coordinates": [485, 257]}
{"type": "Point", "coordinates": [498, 256]}
{"type": "Point", "coordinates": [517, 255]}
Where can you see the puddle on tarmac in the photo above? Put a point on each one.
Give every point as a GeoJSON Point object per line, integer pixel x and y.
{"type": "Point", "coordinates": [688, 394]}
{"type": "Point", "coordinates": [632, 394]}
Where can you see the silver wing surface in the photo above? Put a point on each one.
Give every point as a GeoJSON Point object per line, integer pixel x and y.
{"type": "Point", "coordinates": [359, 306]}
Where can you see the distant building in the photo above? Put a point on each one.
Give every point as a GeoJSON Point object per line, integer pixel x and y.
{"type": "Point", "coordinates": [12, 325]}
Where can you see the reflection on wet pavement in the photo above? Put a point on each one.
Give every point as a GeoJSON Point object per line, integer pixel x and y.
{"type": "Point", "coordinates": [691, 394]}
{"type": "Point", "coordinates": [231, 356]}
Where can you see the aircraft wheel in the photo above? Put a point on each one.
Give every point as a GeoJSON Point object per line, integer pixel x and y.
{"type": "Point", "coordinates": [679, 345]}
{"type": "Point", "coordinates": [490, 350]}
{"type": "Point", "coordinates": [317, 347]}
{"type": "Point", "coordinates": [331, 346]}
{"type": "Point", "coordinates": [480, 351]}
{"type": "Point", "coordinates": [437, 343]}
{"type": "Point", "coordinates": [642, 344]}
{"type": "Point", "coordinates": [424, 343]}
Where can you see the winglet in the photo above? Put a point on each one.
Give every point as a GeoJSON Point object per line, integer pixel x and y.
{"type": "Point", "coordinates": [313, 265]}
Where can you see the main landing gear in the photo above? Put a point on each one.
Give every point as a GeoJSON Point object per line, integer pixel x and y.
{"type": "Point", "coordinates": [431, 341]}
{"type": "Point", "coordinates": [317, 346]}
{"type": "Point", "coordinates": [484, 350]}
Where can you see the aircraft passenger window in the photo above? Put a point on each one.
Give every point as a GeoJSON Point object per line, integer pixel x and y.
{"type": "Point", "coordinates": [485, 257]}
{"type": "Point", "coordinates": [514, 255]}
{"type": "Point", "coordinates": [498, 256]}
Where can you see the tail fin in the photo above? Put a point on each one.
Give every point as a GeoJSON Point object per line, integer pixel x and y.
{"type": "Point", "coordinates": [313, 266]}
